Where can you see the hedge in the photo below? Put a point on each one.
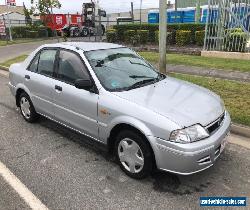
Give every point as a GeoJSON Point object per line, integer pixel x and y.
{"type": "Point", "coordinates": [235, 40]}
{"type": "Point", "coordinates": [193, 27]}
{"type": "Point", "coordinates": [199, 37]}
{"type": "Point", "coordinates": [136, 36]}
{"type": "Point", "coordinates": [24, 32]}
{"type": "Point", "coordinates": [129, 35]}
{"type": "Point", "coordinates": [111, 35]}
{"type": "Point", "coordinates": [169, 38]}
{"type": "Point", "coordinates": [143, 36]}
{"type": "Point", "coordinates": [183, 37]}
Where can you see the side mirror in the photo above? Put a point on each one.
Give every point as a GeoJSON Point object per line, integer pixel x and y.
{"type": "Point", "coordinates": [84, 84]}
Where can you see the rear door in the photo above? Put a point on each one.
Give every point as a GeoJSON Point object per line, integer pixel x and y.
{"type": "Point", "coordinates": [74, 107]}
{"type": "Point", "coordinates": [39, 80]}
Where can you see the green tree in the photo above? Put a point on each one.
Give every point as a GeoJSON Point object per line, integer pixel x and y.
{"type": "Point", "coordinates": [27, 15]}
{"type": "Point", "coordinates": [44, 8]}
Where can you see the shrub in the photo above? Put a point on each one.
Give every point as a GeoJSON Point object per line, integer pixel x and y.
{"type": "Point", "coordinates": [169, 37]}
{"type": "Point", "coordinates": [121, 29]}
{"type": "Point", "coordinates": [193, 27]}
{"type": "Point", "coordinates": [199, 37]}
{"type": "Point", "coordinates": [235, 40]}
{"type": "Point", "coordinates": [129, 36]}
{"type": "Point", "coordinates": [42, 33]}
{"type": "Point", "coordinates": [111, 35]}
{"type": "Point", "coordinates": [183, 37]}
{"type": "Point", "coordinates": [21, 31]}
{"type": "Point", "coordinates": [143, 36]}
{"type": "Point", "coordinates": [32, 34]}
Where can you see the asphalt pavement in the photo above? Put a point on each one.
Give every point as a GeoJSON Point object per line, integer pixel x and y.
{"type": "Point", "coordinates": [65, 171]}
{"type": "Point", "coordinates": [15, 50]}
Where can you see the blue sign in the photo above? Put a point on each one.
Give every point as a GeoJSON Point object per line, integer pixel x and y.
{"type": "Point", "coordinates": [223, 201]}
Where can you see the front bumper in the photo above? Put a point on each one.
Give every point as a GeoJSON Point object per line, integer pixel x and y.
{"type": "Point", "coordinates": [190, 158]}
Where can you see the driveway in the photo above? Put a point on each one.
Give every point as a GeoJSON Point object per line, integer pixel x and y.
{"type": "Point", "coordinates": [66, 171]}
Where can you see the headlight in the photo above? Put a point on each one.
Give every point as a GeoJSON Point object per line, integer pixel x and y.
{"type": "Point", "coordinates": [188, 135]}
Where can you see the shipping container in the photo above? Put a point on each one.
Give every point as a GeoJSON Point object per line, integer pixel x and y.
{"type": "Point", "coordinates": [58, 21]}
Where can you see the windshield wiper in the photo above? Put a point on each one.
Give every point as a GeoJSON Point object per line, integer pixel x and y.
{"type": "Point", "coordinates": [140, 84]}
{"type": "Point", "coordinates": [140, 76]}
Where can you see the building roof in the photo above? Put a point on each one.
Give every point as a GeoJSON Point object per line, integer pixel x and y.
{"type": "Point", "coordinates": [85, 46]}
{"type": "Point", "coordinates": [18, 9]}
{"type": "Point", "coordinates": [6, 13]}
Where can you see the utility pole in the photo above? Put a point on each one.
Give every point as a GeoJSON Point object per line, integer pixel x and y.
{"type": "Point", "coordinates": [132, 11]}
{"type": "Point", "coordinates": [140, 12]}
{"type": "Point", "coordinates": [198, 11]}
{"type": "Point", "coordinates": [162, 35]}
{"type": "Point", "coordinates": [176, 9]}
{"type": "Point", "coordinates": [9, 24]}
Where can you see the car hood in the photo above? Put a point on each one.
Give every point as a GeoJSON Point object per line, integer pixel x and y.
{"type": "Point", "coordinates": [182, 102]}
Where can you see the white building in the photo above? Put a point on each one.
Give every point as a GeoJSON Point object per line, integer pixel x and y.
{"type": "Point", "coordinates": [16, 18]}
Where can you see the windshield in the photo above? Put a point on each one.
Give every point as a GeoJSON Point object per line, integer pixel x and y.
{"type": "Point", "coordinates": [122, 69]}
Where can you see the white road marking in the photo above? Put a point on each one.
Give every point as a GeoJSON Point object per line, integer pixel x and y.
{"type": "Point", "coordinates": [30, 199]}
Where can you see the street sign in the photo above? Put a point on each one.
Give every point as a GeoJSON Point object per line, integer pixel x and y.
{"type": "Point", "coordinates": [2, 28]}
{"type": "Point", "coordinates": [11, 3]}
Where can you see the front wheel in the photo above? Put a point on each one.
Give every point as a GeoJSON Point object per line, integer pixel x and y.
{"type": "Point", "coordinates": [134, 154]}
{"type": "Point", "coordinates": [27, 109]}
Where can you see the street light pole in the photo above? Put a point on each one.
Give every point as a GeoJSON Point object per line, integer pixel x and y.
{"type": "Point", "coordinates": [162, 35]}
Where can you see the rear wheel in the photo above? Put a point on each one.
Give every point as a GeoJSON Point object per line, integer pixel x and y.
{"type": "Point", "coordinates": [134, 154]}
{"type": "Point", "coordinates": [76, 33]}
{"type": "Point", "coordinates": [27, 109]}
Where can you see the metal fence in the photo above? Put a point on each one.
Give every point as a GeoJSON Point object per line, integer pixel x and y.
{"type": "Point", "coordinates": [190, 3]}
{"type": "Point", "coordinates": [228, 26]}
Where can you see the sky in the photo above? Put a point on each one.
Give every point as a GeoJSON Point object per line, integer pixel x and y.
{"type": "Point", "coordinates": [72, 6]}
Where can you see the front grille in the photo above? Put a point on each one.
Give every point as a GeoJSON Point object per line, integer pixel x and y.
{"type": "Point", "coordinates": [211, 128]}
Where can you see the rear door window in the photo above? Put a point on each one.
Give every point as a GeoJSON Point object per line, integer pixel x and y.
{"type": "Point", "coordinates": [47, 62]}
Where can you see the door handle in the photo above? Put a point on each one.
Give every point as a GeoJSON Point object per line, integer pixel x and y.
{"type": "Point", "coordinates": [58, 88]}
{"type": "Point", "coordinates": [27, 76]}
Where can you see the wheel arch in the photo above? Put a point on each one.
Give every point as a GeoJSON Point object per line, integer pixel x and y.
{"type": "Point", "coordinates": [20, 89]}
{"type": "Point", "coordinates": [127, 126]}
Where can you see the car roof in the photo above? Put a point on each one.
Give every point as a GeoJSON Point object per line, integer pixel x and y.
{"type": "Point", "coordinates": [86, 46]}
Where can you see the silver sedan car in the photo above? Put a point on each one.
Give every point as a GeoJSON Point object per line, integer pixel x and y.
{"type": "Point", "coordinates": [110, 94]}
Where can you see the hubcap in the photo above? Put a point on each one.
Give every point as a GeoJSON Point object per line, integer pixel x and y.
{"type": "Point", "coordinates": [130, 155]}
{"type": "Point", "coordinates": [25, 107]}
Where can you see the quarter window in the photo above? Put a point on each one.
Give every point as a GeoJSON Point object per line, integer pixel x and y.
{"type": "Point", "coordinates": [71, 67]}
{"type": "Point", "coordinates": [34, 64]}
{"type": "Point", "coordinates": [46, 62]}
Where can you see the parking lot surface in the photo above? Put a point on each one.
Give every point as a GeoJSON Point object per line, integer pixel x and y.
{"type": "Point", "coordinates": [65, 171]}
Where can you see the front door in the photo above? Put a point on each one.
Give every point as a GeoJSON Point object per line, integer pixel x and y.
{"type": "Point", "coordinates": [74, 107]}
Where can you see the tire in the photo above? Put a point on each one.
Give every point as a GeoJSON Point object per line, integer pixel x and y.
{"type": "Point", "coordinates": [137, 159]}
{"type": "Point", "coordinates": [85, 32]}
{"type": "Point", "coordinates": [76, 33]}
{"type": "Point", "coordinates": [27, 109]}
{"type": "Point", "coordinates": [103, 30]}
